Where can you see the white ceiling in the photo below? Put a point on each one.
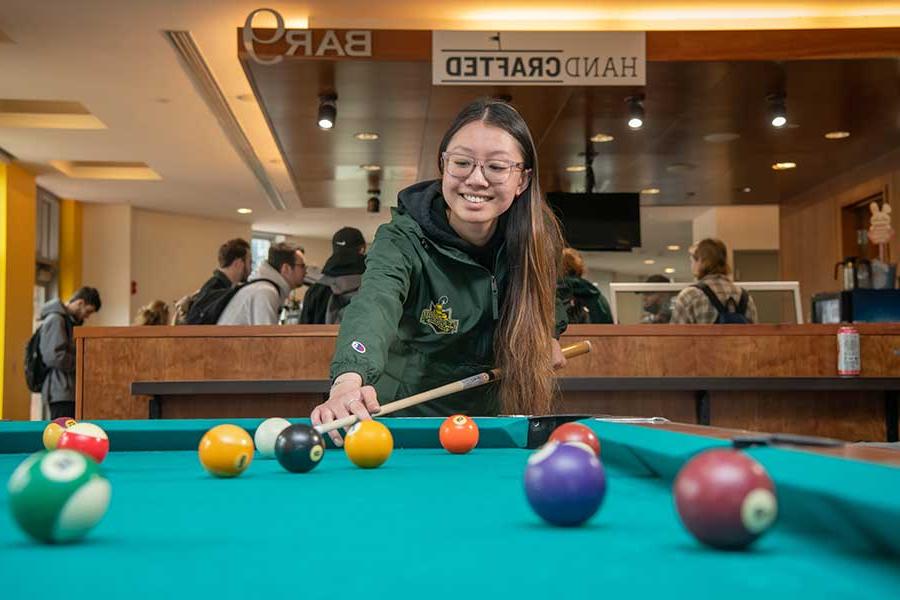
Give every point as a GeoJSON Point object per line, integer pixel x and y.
{"type": "Point", "coordinates": [111, 56]}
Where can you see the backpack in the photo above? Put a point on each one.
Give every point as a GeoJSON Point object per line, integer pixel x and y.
{"type": "Point", "coordinates": [36, 370]}
{"type": "Point", "coordinates": [734, 314]}
{"type": "Point", "coordinates": [206, 309]}
{"type": "Point", "coordinates": [577, 310]}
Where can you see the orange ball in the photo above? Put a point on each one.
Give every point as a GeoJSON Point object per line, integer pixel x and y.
{"type": "Point", "coordinates": [368, 444]}
{"type": "Point", "coordinates": [459, 434]}
{"type": "Point", "coordinates": [577, 433]}
{"type": "Point", "coordinates": [54, 430]}
{"type": "Point", "coordinates": [226, 450]}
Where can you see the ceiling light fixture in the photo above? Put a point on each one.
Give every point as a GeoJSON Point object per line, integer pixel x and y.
{"type": "Point", "coordinates": [673, 247]}
{"type": "Point", "coordinates": [370, 168]}
{"type": "Point", "coordinates": [245, 211]}
{"type": "Point", "coordinates": [784, 166]}
{"type": "Point", "coordinates": [576, 168]}
{"type": "Point", "coordinates": [747, 189]}
{"type": "Point", "coordinates": [635, 111]}
{"type": "Point", "coordinates": [649, 261]}
{"type": "Point", "coordinates": [327, 111]}
{"type": "Point", "coordinates": [650, 191]}
{"type": "Point", "coordinates": [777, 110]}
{"type": "Point", "coordinates": [602, 138]}
{"type": "Point", "coordinates": [366, 136]}
{"type": "Point", "coordinates": [837, 135]}
{"type": "Point", "coordinates": [669, 270]}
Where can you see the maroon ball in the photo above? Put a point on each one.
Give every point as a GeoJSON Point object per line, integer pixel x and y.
{"type": "Point", "coordinates": [725, 498]}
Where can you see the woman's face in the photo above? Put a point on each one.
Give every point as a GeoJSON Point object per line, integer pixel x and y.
{"type": "Point", "coordinates": [473, 198]}
{"type": "Point", "coordinates": [696, 265]}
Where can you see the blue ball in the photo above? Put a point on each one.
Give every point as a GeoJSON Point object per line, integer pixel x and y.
{"type": "Point", "coordinates": [565, 483]}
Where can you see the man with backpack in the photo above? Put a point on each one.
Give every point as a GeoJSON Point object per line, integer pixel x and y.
{"type": "Point", "coordinates": [341, 277]}
{"type": "Point", "coordinates": [50, 355]}
{"type": "Point", "coordinates": [714, 298]}
{"type": "Point", "coordinates": [234, 268]}
{"type": "Point", "coordinates": [259, 301]}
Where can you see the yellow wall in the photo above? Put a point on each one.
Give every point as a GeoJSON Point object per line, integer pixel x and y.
{"type": "Point", "coordinates": [70, 250]}
{"type": "Point", "coordinates": [17, 255]}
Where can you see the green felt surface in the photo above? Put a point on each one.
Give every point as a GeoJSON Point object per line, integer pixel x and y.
{"type": "Point", "coordinates": [431, 524]}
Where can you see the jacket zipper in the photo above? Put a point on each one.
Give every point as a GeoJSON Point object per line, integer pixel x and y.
{"type": "Point", "coordinates": [494, 297]}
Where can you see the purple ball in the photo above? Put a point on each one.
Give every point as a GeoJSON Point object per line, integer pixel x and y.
{"type": "Point", "coordinates": [565, 483]}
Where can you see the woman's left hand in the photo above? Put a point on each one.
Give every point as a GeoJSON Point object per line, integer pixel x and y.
{"type": "Point", "coordinates": [559, 361]}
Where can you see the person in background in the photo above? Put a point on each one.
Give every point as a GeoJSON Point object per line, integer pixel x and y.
{"type": "Point", "coordinates": [58, 348]}
{"type": "Point", "coordinates": [234, 268]}
{"type": "Point", "coordinates": [325, 301]}
{"type": "Point", "coordinates": [715, 298]}
{"type": "Point", "coordinates": [259, 301]}
{"type": "Point", "coordinates": [583, 301]}
{"type": "Point", "coordinates": [657, 306]}
{"type": "Point", "coordinates": [155, 313]}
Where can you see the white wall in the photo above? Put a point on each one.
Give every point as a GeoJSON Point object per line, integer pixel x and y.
{"type": "Point", "coordinates": [106, 251]}
{"type": "Point", "coordinates": [172, 255]}
{"type": "Point", "coordinates": [741, 227]}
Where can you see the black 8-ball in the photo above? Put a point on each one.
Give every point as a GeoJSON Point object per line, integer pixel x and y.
{"type": "Point", "coordinates": [299, 448]}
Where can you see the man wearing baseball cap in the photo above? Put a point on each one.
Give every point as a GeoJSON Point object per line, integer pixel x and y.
{"type": "Point", "coordinates": [341, 276]}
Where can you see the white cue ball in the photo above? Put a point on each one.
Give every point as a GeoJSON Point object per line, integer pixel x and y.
{"type": "Point", "coordinates": [266, 434]}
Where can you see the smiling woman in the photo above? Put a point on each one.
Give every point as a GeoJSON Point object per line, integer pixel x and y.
{"type": "Point", "coordinates": [462, 279]}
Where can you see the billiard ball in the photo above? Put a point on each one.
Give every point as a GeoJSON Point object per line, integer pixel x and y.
{"type": "Point", "coordinates": [458, 434]}
{"type": "Point", "coordinates": [266, 434]}
{"type": "Point", "coordinates": [565, 483]}
{"type": "Point", "coordinates": [226, 450]}
{"type": "Point", "coordinates": [58, 496]}
{"type": "Point", "coordinates": [54, 429]}
{"type": "Point", "coordinates": [368, 444]}
{"type": "Point", "coordinates": [299, 448]}
{"type": "Point", "coordinates": [577, 432]}
{"type": "Point", "coordinates": [725, 498]}
{"type": "Point", "coordinates": [86, 438]}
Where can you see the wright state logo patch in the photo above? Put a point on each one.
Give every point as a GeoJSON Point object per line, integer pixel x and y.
{"type": "Point", "coordinates": [439, 317]}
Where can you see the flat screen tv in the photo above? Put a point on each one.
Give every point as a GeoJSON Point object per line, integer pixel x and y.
{"type": "Point", "coordinates": [609, 221]}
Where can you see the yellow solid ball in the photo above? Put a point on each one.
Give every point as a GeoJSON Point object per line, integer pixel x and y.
{"type": "Point", "coordinates": [226, 450]}
{"type": "Point", "coordinates": [368, 444]}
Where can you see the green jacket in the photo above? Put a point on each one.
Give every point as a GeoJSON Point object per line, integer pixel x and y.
{"type": "Point", "coordinates": [578, 294]}
{"type": "Point", "coordinates": [425, 314]}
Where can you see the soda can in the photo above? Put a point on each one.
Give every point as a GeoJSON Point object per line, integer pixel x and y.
{"type": "Point", "coordinates": [848, 351]}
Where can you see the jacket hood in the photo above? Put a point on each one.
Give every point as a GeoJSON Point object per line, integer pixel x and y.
{"type": "Point", "coordinates": [582, 287]}
{"type": "Point", "coordinates": [54, 307]}
{"type": "Point", "coordinates": [267, 271]}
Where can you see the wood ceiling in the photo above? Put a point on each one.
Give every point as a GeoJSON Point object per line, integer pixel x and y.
{"type": "Point", "coordinates": [686, 100]}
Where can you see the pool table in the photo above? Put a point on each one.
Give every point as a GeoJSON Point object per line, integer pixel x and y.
{"type": "Point", "coordinates": [429, 524]}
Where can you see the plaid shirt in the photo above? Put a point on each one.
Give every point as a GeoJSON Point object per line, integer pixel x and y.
{"type": "Point", "coordinates": [692, 305]}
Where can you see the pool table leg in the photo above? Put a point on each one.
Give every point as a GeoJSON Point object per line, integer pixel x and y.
{"type": "Point", "coordinates": [891, 415]}
{"type": "Point", "coordinates": [155, 408]}
{"type": "Point", "coordinates": [701, 406]}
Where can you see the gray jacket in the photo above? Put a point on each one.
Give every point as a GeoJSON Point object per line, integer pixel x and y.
{"type": "Point", "coordinates": [58, 352]}
{"type": "Point", "coordinates": [257, 303]}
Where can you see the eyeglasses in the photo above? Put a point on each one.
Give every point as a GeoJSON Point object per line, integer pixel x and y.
{"type": "Point", "coordinates": [494, 170]}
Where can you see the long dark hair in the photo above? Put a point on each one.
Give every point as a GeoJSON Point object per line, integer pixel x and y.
{"type": "Point", "coordinates": [522, 342]}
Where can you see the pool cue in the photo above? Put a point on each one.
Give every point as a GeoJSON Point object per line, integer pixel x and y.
{"type": "Point", "coordinates": [467, 383]}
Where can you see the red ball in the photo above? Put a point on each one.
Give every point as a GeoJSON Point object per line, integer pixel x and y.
{"type": "Point", "coordinates": [576, 433]}
{"type": "Point", "coordinates": [725, 498]}
{"type": "Point", "coordinates": [86, 438]}
{"type": "Point", "coordinates": [459, 434]}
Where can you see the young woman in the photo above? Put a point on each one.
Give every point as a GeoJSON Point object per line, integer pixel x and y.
{"type": "Point", "coordinates": [709, 264]}
{"type": "Point", "coordinates": [583, 301]}
{"type": "Point", "coordinates": [462, 279]}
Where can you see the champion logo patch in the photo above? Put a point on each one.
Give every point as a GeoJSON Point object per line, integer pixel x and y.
{"type": "Point", "coordinates": [358, 346]}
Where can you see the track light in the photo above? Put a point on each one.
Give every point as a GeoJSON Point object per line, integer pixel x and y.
{"type": "Point", "coordinates": [777, 110]}
{"type": "Point", "coordinates": [635, 111]}
{"type": "Point", "coordinates": [327, 111]}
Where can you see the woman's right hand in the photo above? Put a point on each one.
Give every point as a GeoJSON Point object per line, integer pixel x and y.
{"type": "Point", "coordinates": [347, 396]}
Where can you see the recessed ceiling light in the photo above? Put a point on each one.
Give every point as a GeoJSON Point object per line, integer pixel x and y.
{"type": "Point", "coordinates": [669, 270]}
{"type": "Point", "coordinates": [366, 136]}
{"type": "Point", "coordinates": [245, 211]}
{"type": "Point", "coordinates": [602, 138]}
{"type": "Point", "coordinates": [721, 138]}
{"type": "Point", "coordinates": [649, 261]}
{"type": "Point", "coordinates": [747, 189]}
{"type": "Point", "coordinates": [370, 167]}
{"type": "Point", "coordinates": [576, 168]}
{"type": "Point", "coordinates": [673, 247]}
{"type": "Point", "coordinates": [650, 191]}
{"type": "Point", "coordinates": [784, 166]}
{"type": "Point", "coordinates": [837, 135]}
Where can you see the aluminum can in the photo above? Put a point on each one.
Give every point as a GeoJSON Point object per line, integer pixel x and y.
{"type": "Point", "coordinates": [848, 351]}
